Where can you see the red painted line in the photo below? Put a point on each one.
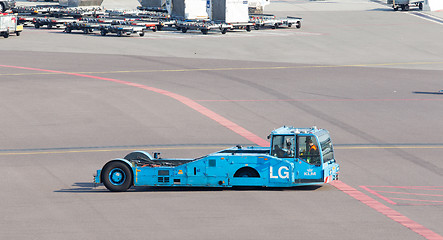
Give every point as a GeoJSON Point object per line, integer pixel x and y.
{"type": "Point", "coordinates": [417, 194]}
{"type": "Point", "coordinates": [394, 215]}
{"type": "Point", "coordinates": [316, 100]}
{"type": "Point", "coordinates": [418, 200]}
{"type": "Point", "coordinates": [378, 195]}
{"type": "Point", "coordinates": [187, 101]}
{"type": "Point", "coordinates": [387, 211]}
{"type": "Point", "coordinates": [427, 188]}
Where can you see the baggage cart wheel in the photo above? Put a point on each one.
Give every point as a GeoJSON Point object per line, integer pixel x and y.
{"type": "Point", "coordinates": [85, 31]}
{"type": "Point", "coordinates": [37, 25]}
{"type": "Point", "coordinates": [184, 30]}
{"type": "Point", "coordinates": [224, 31]}
{"type": "Point", "coordinates": [103, 32]}
{"type": "Point", "coordinates": [159, 27]}
{"type": "Point", "coordinates": [17, 33]}
{"type": "Point", "coordinates": [119, 33]}
{"type": "Point", "coordinates": [6, 34]}
{"type": "Point", "coordinates": [49, 26]}
{"type": "Point", "coordinates": [68, 30]}
{"type": "Point", "coordinates": [420, 6]}
{"type": "Point", "coordinates": [248, 28]}
{"type": "Point", "coordinates": [117, 176]}
{"type": "Point", "coordinates": [289, 25]}
{"type": "Point", "coordinates": [395, 8]}
{"type": "Point", "coordinates": [405, 7]}
{"type": "Point", "coordinates": [141, 34]}
{"type": "Point", "coordinates": [204, 31]}
{"type": "Point", "coordinates": [298, 24]}
{"type": "Point", "coordinates": [256, 27]}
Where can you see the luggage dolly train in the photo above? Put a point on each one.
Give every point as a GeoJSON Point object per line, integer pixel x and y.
{"type": "Point", "coordinates": [88, 20]}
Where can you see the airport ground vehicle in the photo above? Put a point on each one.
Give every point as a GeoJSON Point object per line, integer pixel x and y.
{"type": "Point", "coordinates": [405, 4]}
{"type": "Point", "coordinates": [6, 5]}
{"type": "Point", "coordinates": [297, 156]}
{"type": "Point", "coordinates": [202, 25]}
{"type": "Point", "coordinates": [271, 21]}
{"type": "Point", "coordinates": [9, 24]}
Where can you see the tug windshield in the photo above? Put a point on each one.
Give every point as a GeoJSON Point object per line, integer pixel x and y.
{"type": "Point", "coordinates": [283, 146]}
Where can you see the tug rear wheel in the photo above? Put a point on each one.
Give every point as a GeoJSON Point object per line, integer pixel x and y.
{"type": "Point", "coordinates": [247, 172]}
{"type": "Point", "coordinates": [117, 176]}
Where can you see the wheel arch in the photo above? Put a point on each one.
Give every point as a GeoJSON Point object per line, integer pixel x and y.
{"type": "Point", "coordinates": [138, 155]}
{"type": "Point", "coordinates": [248, 169]}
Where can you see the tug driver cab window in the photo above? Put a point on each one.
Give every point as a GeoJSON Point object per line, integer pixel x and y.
{"type": "Point", "coordinates": [309, 152]}
{"type": "Point", "coordinates": [283, 146]}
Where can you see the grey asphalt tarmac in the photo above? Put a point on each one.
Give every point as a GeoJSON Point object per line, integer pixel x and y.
{"type": "Point", "coordinates": [369, 75]}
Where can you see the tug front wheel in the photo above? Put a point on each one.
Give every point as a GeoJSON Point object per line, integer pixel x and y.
{"type": "Point", "coordinates": [117, 176]}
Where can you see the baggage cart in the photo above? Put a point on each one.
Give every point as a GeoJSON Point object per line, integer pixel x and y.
{"type": "Point", "coordinates": [9, 25]}
{"type": "Point", "coordinates": [405, 4]}
{"type": "Point", "coordinates": [271, 21]}
{"type": "Point", "coordinates": [84, 26]}
{"type": "Point", "coordinates": [121, 30]}
{"type": "Point", "coordinates": [202, 25]}
{"type": "Point", "coordinates": [52, 22]}
{"type": "Point", "coordinates": [231, 12]}
{"type": "Point", "coordinates": [187, 9]}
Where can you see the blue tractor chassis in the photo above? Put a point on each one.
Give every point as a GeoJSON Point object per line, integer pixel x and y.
{"type": "Point", "coordinates": [237, 166]}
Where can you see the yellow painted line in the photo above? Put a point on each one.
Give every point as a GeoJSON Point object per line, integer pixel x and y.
{"type": "Point", "coordinates": [106, 150]}
{"type": "Point", "coordinates": [193, 148]}
{"type": "Point", "coordinates": [228, 69]}
{"type": "Point", "coordinates": [392, 147]}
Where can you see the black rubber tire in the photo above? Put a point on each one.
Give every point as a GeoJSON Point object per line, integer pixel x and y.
{"type": "Point", "coordinates": [204, 31]}
{"type": "Point", "coordinates": [119, 33]}
{"type": "Point", "coordinates": [141, 34]}
{"type": "Point", "coordinates": [68, 30]}
{"type": "Point", "coordinates": [6, 34]}
{"type": "Point", "coordinates": [256, 27]}
{"type": "Point", "coordinates": [298, 24]}
{"type": "Point", "coordinates": [247, 172]}
{"type": "Point", "coordinates": [120, 168]}
{"type": "Point", "coordinates": [36, 25]}
{"type": "Point", "coordinates": [248, 28]}
{"type": "Point", "coordinates": [18, 33]}
{"type": "Point", "coordinates": [103, 32]}
{"type": "Point", "coordinates": [224, 31]}
{"type": "Point", "coordinates": [184, 30]}
{"type": "Point", "coordinates": [420, 6]}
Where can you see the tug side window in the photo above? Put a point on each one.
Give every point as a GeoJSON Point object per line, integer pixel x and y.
{"type": "Point", "coordinates": [283, 146]}
{"type": "Point", "coordinates": [309, 151]}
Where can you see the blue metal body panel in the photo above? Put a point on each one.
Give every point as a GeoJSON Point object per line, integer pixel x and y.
{"type": "Point", "coordinates": [239, 166]}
